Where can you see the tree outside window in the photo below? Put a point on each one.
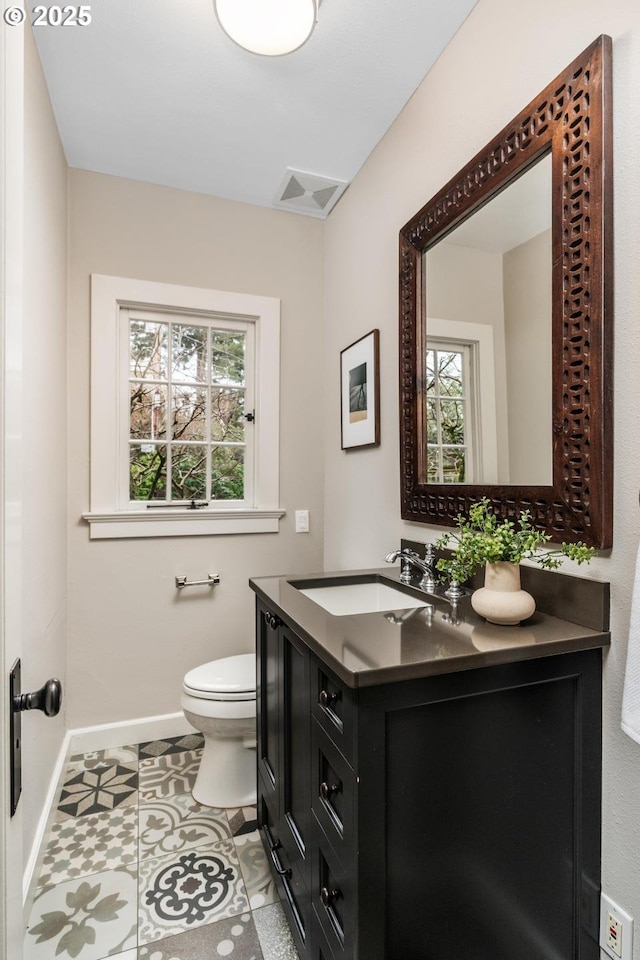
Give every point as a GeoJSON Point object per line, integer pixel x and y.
{"type": "Point", "coordinates": [187, 399]}
{"type": "Point", "coordinates": [447, 413]}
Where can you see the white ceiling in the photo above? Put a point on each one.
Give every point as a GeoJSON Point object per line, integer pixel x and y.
{"type": "Point", "coordinates": [153, 90]}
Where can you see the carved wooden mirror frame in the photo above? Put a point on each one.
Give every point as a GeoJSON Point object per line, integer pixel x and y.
{"type": "Point", "coordinates": [571, 118]}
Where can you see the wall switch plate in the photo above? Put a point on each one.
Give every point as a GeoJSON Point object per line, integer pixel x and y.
{"type": "Point", "coordinates": [302, 521]}
{"type": "Point", "coordinates": [616, 930]}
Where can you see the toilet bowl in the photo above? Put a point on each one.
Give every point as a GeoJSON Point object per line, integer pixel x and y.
{"type": "Point", "coordinates": [219, 700]}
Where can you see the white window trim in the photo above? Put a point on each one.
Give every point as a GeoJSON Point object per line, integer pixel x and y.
{"type": "Point", "coordinates": [108, 295]}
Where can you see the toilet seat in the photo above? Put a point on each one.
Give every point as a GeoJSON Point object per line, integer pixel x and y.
{"type": "Point", "coordinates": [227, 679]}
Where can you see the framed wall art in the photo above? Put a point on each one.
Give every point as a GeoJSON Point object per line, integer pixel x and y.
{"type": "Point", "coordinates": [360, 392]}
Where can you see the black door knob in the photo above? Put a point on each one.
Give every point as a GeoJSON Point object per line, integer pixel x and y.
{"type": "Point", "coordinates": [48, 699]}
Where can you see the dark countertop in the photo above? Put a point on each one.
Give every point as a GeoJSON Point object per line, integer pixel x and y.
{"type": "Point", "coordinates": [369, 649]}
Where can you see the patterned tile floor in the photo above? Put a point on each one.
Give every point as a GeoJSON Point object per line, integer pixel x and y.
{"type": "Point", "coordinates": [135, 869]}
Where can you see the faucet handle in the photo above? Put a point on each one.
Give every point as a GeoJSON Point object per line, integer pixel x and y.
{"type": "Point", "coordinates": [407, 557]}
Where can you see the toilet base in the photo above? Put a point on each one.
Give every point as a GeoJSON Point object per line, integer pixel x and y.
{"type": "Point", "coordinates": [227, 774]}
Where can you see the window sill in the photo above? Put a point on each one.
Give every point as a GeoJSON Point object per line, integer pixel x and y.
{"type": "Point", "coordinates": [188, 523]}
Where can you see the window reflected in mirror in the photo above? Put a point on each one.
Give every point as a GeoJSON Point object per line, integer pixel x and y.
{"type": "Point", "coordinates": [449, 432]}
{"type": "Point", "coordinates": [488, 353]}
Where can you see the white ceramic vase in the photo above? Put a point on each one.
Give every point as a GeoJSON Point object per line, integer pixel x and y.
{"type": "Point", "coordinates": [502, 599]}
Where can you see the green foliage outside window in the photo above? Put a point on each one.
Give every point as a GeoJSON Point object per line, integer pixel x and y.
{"type": "Point", "coordinates": [187, 399]}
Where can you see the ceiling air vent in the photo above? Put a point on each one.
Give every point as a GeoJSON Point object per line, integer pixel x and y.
{"type": "Point", "coordinates": [309, 194]}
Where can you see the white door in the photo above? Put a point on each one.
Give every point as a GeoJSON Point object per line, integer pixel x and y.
{"type": "Point", "coordinates": [11, 278]}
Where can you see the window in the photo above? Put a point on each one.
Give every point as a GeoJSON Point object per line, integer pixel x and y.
{"type": "Point", "coordinates": [450, 413]}
{"type": "Point", "coordinates": [190, 385]}
{"type": "Point", "coordinates": [185, 412]}
{"type": "Point", "coordinates": [461, 414]}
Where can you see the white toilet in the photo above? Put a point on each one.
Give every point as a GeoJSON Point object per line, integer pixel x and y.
{"type": "Point", "coordinates": [219, 699]}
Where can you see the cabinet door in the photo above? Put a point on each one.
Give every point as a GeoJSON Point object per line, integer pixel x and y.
{"type": "Point", "coordinates": [268, 704]}
{"type": "Point", "coordinates": [292, 888]}
{"type": "Point", "coordinates": [295, 747]}
{"type": "Point", "coordinates": [284, 751]}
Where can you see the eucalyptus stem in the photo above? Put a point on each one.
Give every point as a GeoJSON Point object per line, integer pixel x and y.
{"type": "Point", "coordinates": [484, 538]}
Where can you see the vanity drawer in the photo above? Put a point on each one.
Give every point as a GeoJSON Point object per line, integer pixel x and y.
{"type": "Point", "coordinates": [333, 789]}
{"type": "Point", "coordinates": [332, 704]}
{"type": "Point", "coordinates": [333, 900]}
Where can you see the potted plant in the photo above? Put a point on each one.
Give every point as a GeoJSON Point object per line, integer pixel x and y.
{"type": "Point", "coordinates": [500, 545]}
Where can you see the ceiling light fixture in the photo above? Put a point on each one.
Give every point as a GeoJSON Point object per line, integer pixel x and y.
{"type": "Point", "coordinates": [268, 27]}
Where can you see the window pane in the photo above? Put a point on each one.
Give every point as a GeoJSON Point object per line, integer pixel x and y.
{"type": "Point", "coordinates": [147, 471]}
{"type": "Point", "coordinates": [148, 350]}
{"type": "Point", "coordinates": [227, 357]}
{"type": "Point", "coordinates": [189, 353]}
{"type": "Point", "coordinates": [148, 406]}
{"type": "Point", "coordinates": [188, 472]}
{"type": "Point", "coordinates": [227, 415]}
{"type": "Point", "coordinates": [433, 465]}
{"type": "Point", "coordinates": [452, 414]}
{"type": "Point", "coordinates": [227, 473]}
{"type": "Point", "coordinates": [453, 465]}
{"type": "Point", "coordinates": [450, 374]}
{"type": "Point", "coordinates": [189, 413]}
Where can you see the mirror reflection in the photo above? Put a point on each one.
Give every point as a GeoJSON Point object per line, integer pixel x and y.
{"type": "Point", "coordinates": [488, 358]}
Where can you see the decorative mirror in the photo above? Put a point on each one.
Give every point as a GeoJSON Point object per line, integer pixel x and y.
{"type": "Point", "coordinates": [506, 296]}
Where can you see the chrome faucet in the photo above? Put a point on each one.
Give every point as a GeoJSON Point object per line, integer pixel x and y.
{"type": "Point", "coordinates": [409, 558]}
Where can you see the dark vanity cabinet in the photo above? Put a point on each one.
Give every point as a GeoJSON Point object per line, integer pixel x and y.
{"type": "Point", "coordinates": [445, 816]}
{"type": "Point", "coordinates": [284, 787]}
{"type": "Point", "coordinates": [306, 788]}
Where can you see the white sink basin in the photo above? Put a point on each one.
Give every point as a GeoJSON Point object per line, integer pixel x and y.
{"type": "Point", "coordinates": [345, 599]}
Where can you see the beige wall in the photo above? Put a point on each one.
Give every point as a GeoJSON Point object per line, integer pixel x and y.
{"type": "Point", "coordinates": [132, 637]}
{"type": "Point", "coordinates": [527, 327]}
{"type": "Point", "coordinates": [447, 122]}
{"type": "Point", "coordinates": [44, 577]}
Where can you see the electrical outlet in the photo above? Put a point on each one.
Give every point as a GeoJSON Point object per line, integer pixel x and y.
{"type": "Point", "coordinates": [616, 930]}
{"type": "Point", "coordinates": [613, 933]}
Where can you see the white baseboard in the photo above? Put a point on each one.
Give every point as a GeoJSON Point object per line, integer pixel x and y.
{"type": "Point", "coordinates": [126, 732]}
{"type": "Point", "coordinates": [85, 740]}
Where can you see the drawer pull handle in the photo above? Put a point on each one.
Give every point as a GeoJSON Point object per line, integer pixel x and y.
{"type": "Point", "coordinates": [279, 869]}
{"type": "Point", "coordinates": [328, 897]}
{"type": "Point", "coordinates": [327, 699]}
{"type": "Point", "coordinates": [272, 621]}
{"type": "Point", "coordinates": [327, 790]}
